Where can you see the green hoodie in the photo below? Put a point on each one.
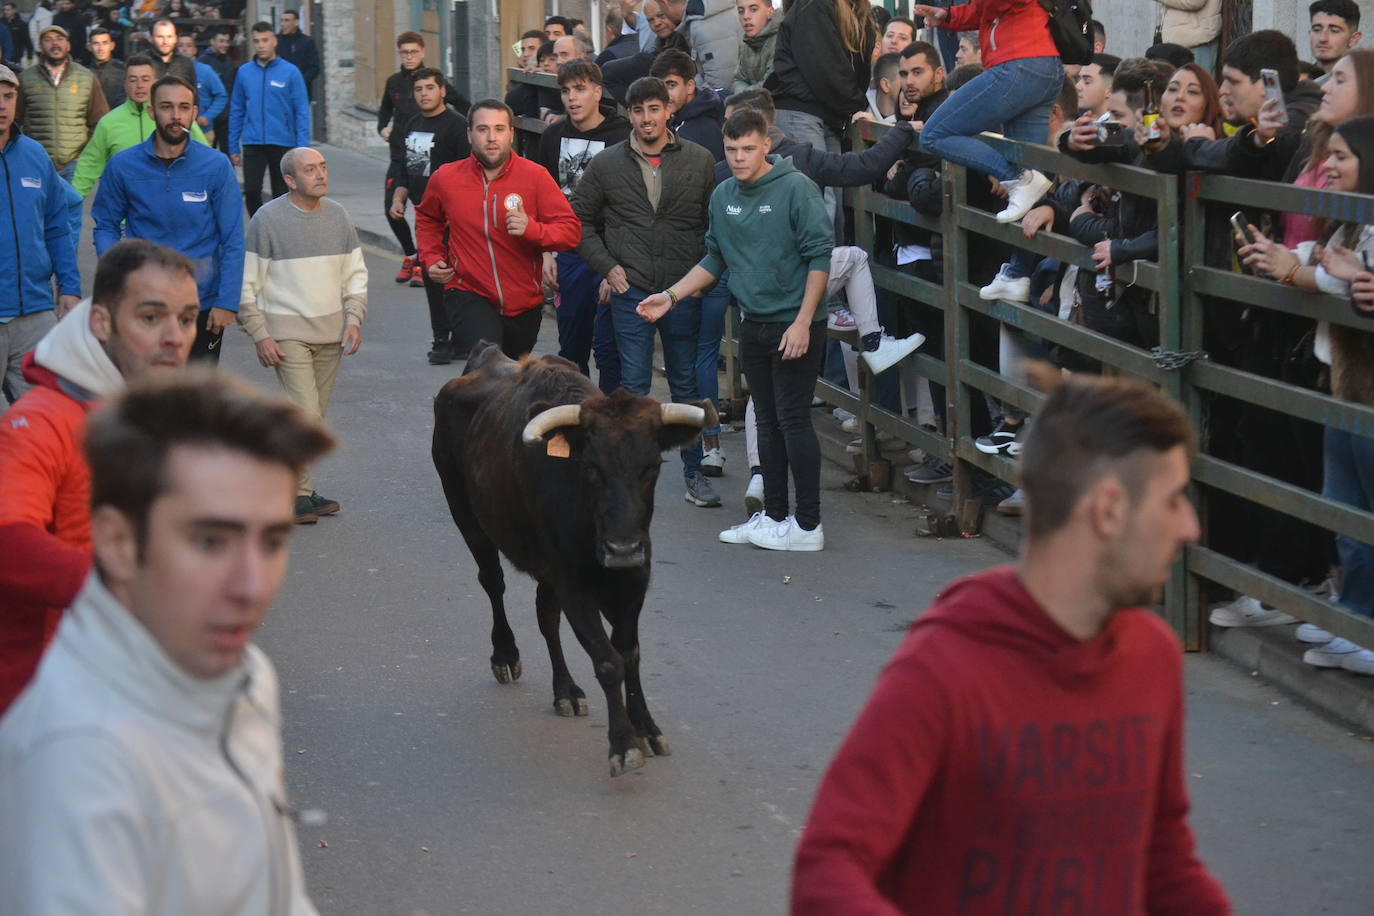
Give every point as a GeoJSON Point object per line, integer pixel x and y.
{"type": "Point", "coordinates": [770, 234]}
{"type": "Point", "coordinates": [128, 125]}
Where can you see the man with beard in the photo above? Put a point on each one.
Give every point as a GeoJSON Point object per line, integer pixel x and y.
{"type": "Point", "coordinates": [943, 793]}
{"type": "Point", "coordinates": [434, 137]}
{"type": "Point", "coordinates": [183, 195]}
{"type": "Point", "coordinates": [165, 57]}
{"type": "Point", "coordinates": [127, 125]}
{"type": "Point", "coordinates": [63, 101]}
{"type": "Point", "coordinates": [500, 203]}
{"type": "Point", "coordinates": [140, 320]}
{"type": "Point", "coordinates": [566, 148]}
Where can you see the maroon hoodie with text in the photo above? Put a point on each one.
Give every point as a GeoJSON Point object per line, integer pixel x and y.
{"type": "Point", "coordinates": [1003, 766]}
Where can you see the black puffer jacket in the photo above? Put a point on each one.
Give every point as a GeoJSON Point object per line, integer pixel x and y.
{"type": "Point", "coordinates": [619, 225]}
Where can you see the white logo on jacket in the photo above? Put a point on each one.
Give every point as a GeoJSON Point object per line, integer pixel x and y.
{"type": "Point", "coordinates": [277, 85]}
{"type": "Point", "coordinates": [31, 183]}
{"type": "Point", "coordinates": [195, 197]}
{"type": "Point", "coordinates": [766, 208]}
{"type": "Point", "coordinates": [733, 210]}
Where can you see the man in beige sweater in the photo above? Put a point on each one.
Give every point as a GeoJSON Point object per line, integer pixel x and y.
{"type": "Point", "coordinates": [304, 295]}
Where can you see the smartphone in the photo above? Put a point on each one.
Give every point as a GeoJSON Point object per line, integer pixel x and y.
{"type": "Point", "coordinates": [1239, 224]}
{"type": "Point", "coordinates": [1111, 133]}
{"type": "Point", "coordinates": [1272, 90]}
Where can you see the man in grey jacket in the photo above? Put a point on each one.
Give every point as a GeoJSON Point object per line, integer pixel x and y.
{"type": "Point", "coordinates": [143, 765]}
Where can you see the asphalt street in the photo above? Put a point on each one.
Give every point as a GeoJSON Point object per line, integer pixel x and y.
{"type": "Point", "coordinates": [430, 787]}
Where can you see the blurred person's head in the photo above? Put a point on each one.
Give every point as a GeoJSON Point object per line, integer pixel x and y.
{"type": "Point", "coordinates": [1094, 83]}
{"type": "Point", "coordinates": [920, 71]}
{"type": "Point", "coordinates": [649, 105]}
{"type": "Point", "coordinates": [102, 45]}
{"type": "Point", "coordinates": [1246, 57]}
{"type": "Point", "coordinates": [529, 47]}
{"type": "Point", "coordinates": [580, 85]}
{"type": "Point", "coordinates": [197, 566]}
{"type": "Point", "coordinates": [970, 52]}
{"type": "Point", "coordinates": [306, 173]}
{"type": "Point", "coordinates": [491, 132]}
{"type": "Point", "coordinates": [887, 82]}
{"type": "Point", "coordinates": [556, 27]}
{"type": "Point", "coordinates": [264, 42]}
{"type": "Point", "coordinates": [9, 101]}
{"type": "Point", "coordinates": [754, 16]}
{"type": "Point", "coordinates": [9, 11]}
{"type": "Point", "coordinates": [1064, 110]}
{"type": "Point", "coordinates": [660, 20]}
{"type": "Point", "coordinates": [139, 77]}
{"type": "Point", "coordinates": [613, 22]}
{"type": "Point", "coordinates": [164, 38]}
{"type": "Point", "coordinates": [1334, 30]}
{"type": "Point", "coordinates": [571, 47]}
{"type": "Point", "coordinates": [430, 91]}
{"type": "Point", "coordinates": [1099, 36]}
{"type": "Point", "coordinates": [962, 75]}
{"type": "Point", "coordinates": [1174, 55]}
{"type": "Point", "coordinates": [746, 144]}
{"type": "Point", "coordinates": [186, 44]}
{"type": "Point", "coordinates": [1191, 98]}
{"type": "Point", "coordinates": [290, 22]}
{"type": "Point", "coordinates": [1129, 84]}
{"type": "Point", "coordinates": [678, 72]}
{"type": "Point", "coordinates": [897, 34]}
{"type": "Point", "coordinates": [144, 305]}
{"type": "Point", "coordinates": [760, 100]}
{"type": "Point", "coordinates": [544, 57]}
{"type": "Point", "coordinates": [219, 42]}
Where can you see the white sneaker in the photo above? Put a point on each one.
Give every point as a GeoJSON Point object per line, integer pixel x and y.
{"type": "Point", "coordinates": [1248, 612]}
{"type": "Point", "coordinates": [1014, 505]}
{"type": "Point", "coordinates": [1023, 194]}
{"type": "Point", "coordinates": [891, 351]}
{"type": "Point", "coordinates": [849, 424]}
{"type": "Point", "coordinates": [1315, 635]}
{"type": "Point", "coordinates": [1361, 662]}
{"type": "Point", "coordinates": [1009, 288]}
{"type": "Point", "coordinates": [787, 535]}
{"type": "Point", "coordinates": [841, 320]}
{"type": "Point", "coordinates": [753, 496]}
{"type": "Point", "coordinates": [713, 462]}
{"type": "Point", "coordinates": [839, 413]}
{"type": "Point", "coordinates": [739, 534]}
{"type": "Point", "coordinates": [1341, 653]}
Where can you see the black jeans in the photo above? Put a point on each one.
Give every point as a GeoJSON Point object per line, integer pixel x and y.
{"type": "Point", "coordinates": [474, 319]}
{"type": "Point", "coordinates": [207, 345]}
{"type": "Point", "coordinates": [399, 227]}
{"type": "Point", "coordinates": [782, 391]}
{"type": "Point", "coordinates": [259, 158]}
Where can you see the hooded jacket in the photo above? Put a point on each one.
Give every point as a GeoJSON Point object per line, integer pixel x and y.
{"type": "Point", "coordinates": [713, 33]}
{"type": "Point", "coordinates": [140, 788]}
{"type": "Point", "coordinates": [128, 125]}
{"type": "Point", "coordinates": [813, 71]}
{"type": "Point", "coordinates": [192, 205]}
{"type": "Point", "coordinates": [45, 491]}
{"type": "Point", "coordinates": [566, 151]}
{"type": "Point", "coordinates": [755, 56]}
{"type": "Point", "coordinates": [1007, 29]}
{"type": "Point", "coordinates": [1002, 764]}
{"type": "Point", "coordinates": [700, 121]}
{"type": "Point", "coordinates": [269, 106]}
{"type": "Point", "coordinates": [35, 235]}
{"type": "Point", "coordinates": [462, 220]}
{"type": "Point", "coordinates": [770, 234]}
{"type": "Point", "coordinates": [1190, 22]}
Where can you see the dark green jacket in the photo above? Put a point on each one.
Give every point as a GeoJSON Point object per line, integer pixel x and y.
{"type": "Point", "coordinates": [655, 245]}
{"type": "Point", "coordinates": [62, 116]}
{"type": "Point", "coordinates": [770, 233]}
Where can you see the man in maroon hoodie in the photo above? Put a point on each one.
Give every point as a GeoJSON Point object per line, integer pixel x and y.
{"type": "Point", "coordinates": [483, 228]}
{"type": "Point", "coordinates": [1023, 750]}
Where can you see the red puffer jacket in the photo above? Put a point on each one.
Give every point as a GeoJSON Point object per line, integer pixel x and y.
{"type": "Point", "coordinates": [1007, 29]}
{"type": "Point", "coordinates": [502, 268]}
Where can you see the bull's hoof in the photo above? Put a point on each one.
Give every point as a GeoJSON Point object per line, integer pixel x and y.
{"type": "Point", "coordinates": [504, 674]}
{"type": "Point", "coordinates": [659, 745]}
{"type": "Point", "coordinates": [633, 760]}
{"type": "Point", "coordinates": [576, 706]}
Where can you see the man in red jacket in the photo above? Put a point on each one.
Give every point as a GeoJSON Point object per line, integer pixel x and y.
{"type": "Point", "coordinates": [483, 228]}
{"type": "Point", "coordinates": [1023, 750]}
{"type": "Point", "coordinates": [140, 319]}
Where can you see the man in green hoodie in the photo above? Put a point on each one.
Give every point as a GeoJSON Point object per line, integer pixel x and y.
{"type": "Point", "coordinates": [770, 228]}
{"type": "Point", "coordinates": [125, 126]}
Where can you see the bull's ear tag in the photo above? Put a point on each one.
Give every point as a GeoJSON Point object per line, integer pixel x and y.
{"type": "Point", "coordinates": [558, 446]}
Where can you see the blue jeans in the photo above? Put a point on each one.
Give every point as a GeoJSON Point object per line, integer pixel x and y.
{"type": "Point", "coordinates": [713, 306]}
{"type": "Point", "coordinates": [679, 330]}
{"type": "Point", "coordinates": [576, 312]}
{"type": "Point", "coordinates": [1348, 477]}
{"type": "Point", "coordinates": [1013, 99]}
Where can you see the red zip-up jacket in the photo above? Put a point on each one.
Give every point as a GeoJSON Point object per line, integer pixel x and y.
{"type": "Point", "coordinates": [1007, 29]}
{"type": "Point", "coordinates": [502, 268]}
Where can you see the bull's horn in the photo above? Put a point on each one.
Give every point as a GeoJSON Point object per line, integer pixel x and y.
{"type": "Point", "coordinates": [686, 414]}
{"type": "Point", "coordinates": [544, 422]}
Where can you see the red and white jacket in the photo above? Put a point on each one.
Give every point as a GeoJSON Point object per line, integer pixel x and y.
{"type": "Point", "coordinates": [1007, 29]}
{"type": "Point", "coordinates": [502, 268]}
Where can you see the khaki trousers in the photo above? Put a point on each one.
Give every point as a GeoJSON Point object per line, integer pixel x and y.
{"type": "Point", "coordinates": [306, 374]}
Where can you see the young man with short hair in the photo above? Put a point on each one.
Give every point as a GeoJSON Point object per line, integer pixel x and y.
{"type": "Point", "coordinates": [759, 22]}
{"type": "Point", "coordinates": [556, 27]}
{"type": "Point", "coordinates": [435, 136]}
{"type": "Point", "coordinates": [566, 149]}
{"type": "Point", "coordinates": [1242, 83]}
{"type": "Point", "coordinates": [897, 34]}
{"type": "Point", "coordinates": [1094, 84]}
{"type": "Point", "coordinates": [164, 55]}
{"type": "Point", "coordinates": [139, 321]}
{"type": "Point", "coordinates": [183, 195]}
{"type": "Point", "coordinates": [643, 206]}
{"type": "Point", "coordinates": [1334, 29]}
{"type": "Point", "coordinates": [499, 203]}
{"type": "Point", "coordinates": [696, 115]}
{"type": "Point", "coordinates": [143, 766]}
{"type": "Point", "coordinates": [1031, 723]}
{"type": "Point", "coordinates": [769, 227]}
{"type": "Point", "coordinates": [885, 95]}
{"type": "Point", "coordinates": [107, 68]}
{"type": "Point", "coordinates": [209, 88]}
{"type": "Point", "coordinates": [922, 80]}
{"type": "Point", "coordinates": [269, 113]}
{"type": "Point", "coordinates": [304, 296]}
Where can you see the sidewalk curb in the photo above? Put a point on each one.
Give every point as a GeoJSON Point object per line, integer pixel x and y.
{"type": "Point", "coordinates": [386, 243]}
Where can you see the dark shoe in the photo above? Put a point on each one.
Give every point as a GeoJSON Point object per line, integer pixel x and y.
{"type": "Point", "coordinates": [440, 354]}
{"type": "Point", "coordinates": [1000, 439]}
{"type": "Point", "coordinates": [305, 511]}
{"type": "Point", "coordinates": [407, 270]}
{"type": "Point", "coordinates": [322, 505]}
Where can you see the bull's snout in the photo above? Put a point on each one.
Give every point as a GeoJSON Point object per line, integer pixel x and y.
{"type": "Point", "coordinates": [622, 553]}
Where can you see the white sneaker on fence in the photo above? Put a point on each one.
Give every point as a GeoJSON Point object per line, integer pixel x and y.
{"type": "Point", "coordinates": [1023, 193]}
{"type": "Point", "coordinates": [1248, 612]}
{"type": "Point", "coordinates": [891, 351]}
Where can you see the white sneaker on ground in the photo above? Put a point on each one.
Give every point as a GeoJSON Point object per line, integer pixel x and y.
{"type": "Point", "coordinates": [1012, 289]}
{"type": "Point", "coordinates": [841, 320]}
{"type": "Point", "coordinates": [1341, 653]}
{"type": "Point", "coordinates": [739, 534]}
{"type": "Point", "coordinates": [1248, 612]}
{"type": "Point", "coordinates": [891, 350]}
{"type": "Point", "coordinates": [839, 413]}
{"type": "Point", "coordinates": [787, 535]}
{"type": "Point", "coordinates": [753, 495]}
{"type": "Point", "coordinates": [1023, 194]}
{"type": "Point", "coordinates": [713, 462]}
{"type": "Point", "coordinates": [1315, 635]}
{"type": "Point", "coordinates": [849, 424]}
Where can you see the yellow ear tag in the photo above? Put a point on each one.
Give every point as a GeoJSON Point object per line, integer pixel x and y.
{"type": "Point", "coordinates": [558, 447]}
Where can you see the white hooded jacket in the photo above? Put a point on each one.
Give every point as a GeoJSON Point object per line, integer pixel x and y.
{"type": "Point", "coordinates": [130, 787]}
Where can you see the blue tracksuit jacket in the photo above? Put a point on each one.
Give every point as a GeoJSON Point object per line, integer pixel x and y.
{"type": "Point", "coordinates": [35, 231]}
{"type": "Point", "coordinates": [268, 106]}
{"type": "Point", "coordinates": [192, 205]}
{"type": "Point", "coordinates": [210, 90]}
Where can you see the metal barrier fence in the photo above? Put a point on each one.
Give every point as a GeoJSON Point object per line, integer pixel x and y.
{"type": "Point", "coordinates": [1181, 284]}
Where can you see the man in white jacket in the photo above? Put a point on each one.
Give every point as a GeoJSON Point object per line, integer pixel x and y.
{"type": "Point", "coordinates": [141, 772]}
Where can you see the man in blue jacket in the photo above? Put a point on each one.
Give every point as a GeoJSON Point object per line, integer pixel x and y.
{"type": "Point", "coordinates": [209, 88]}
{"type": "Point", "coordinates": [183, 195]}
{"type": "Point", "coordinates": [35, 243]}
{"type": "Point", "coordinates": [269, 113]}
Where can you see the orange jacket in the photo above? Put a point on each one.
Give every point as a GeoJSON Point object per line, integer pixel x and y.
{"type": "Point", "coordinates": [45, 521]}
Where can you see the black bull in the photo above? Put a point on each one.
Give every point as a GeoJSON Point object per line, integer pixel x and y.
{"type": "Point", "coordinates": [537, 464]}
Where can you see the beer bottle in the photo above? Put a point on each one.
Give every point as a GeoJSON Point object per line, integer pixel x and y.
{"type": "Point", "coordinates": [1149, 115]}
